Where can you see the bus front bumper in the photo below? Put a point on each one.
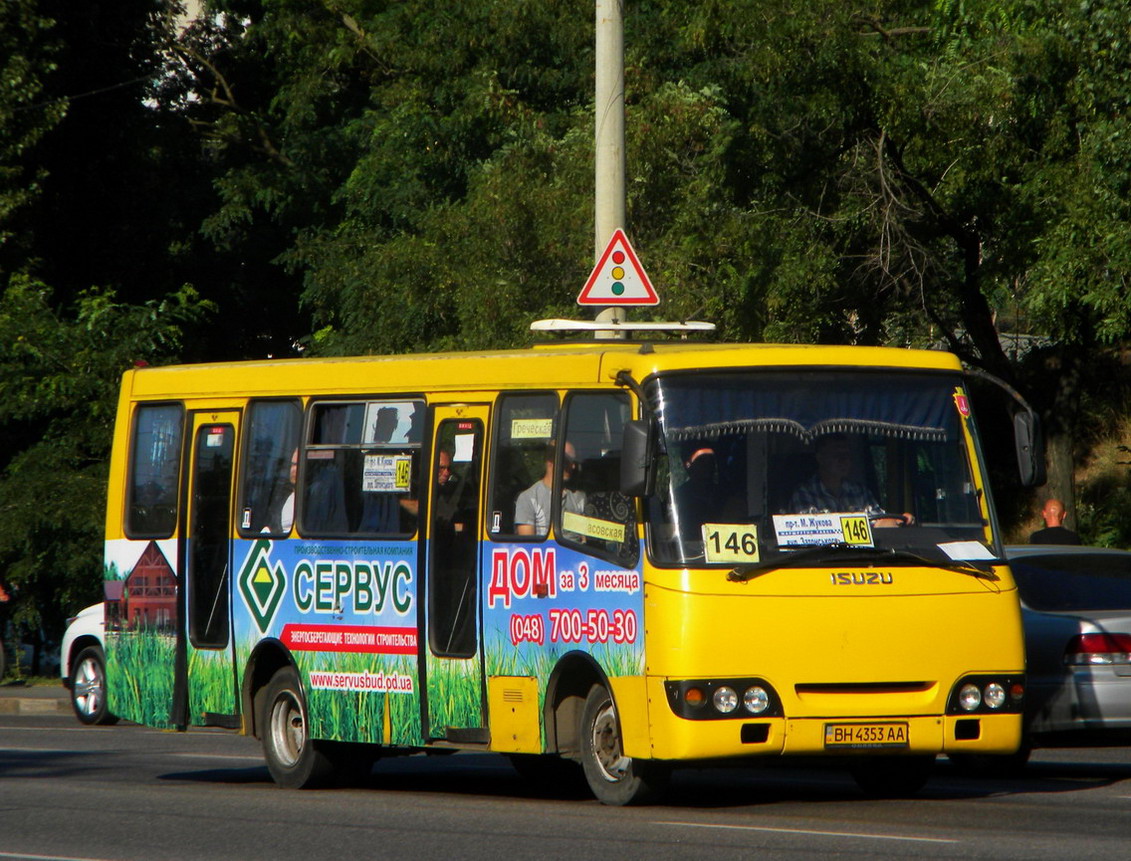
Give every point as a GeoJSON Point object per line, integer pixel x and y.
{"type": "Point", "coordinates": [671, 737]}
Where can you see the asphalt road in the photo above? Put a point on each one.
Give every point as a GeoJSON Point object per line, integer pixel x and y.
{"type": "Point", "coordinates": [128, 792]}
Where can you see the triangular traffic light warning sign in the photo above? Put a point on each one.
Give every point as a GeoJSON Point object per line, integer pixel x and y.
{"type": "Point", "coordinates": [618, 278]}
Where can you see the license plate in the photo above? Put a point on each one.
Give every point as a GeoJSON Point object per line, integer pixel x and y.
{"type": "Point", "coordinates": [860, 735]}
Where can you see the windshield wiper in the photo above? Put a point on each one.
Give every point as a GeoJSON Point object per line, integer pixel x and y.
{"type": "Point", "coordinates": [946, 564]}
{"type": "Point", "coordinates": [817, 553]}
{"type": "Point", "coordinates": [837, 551]}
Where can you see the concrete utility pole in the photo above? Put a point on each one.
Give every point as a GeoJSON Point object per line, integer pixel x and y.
{"type": "Point", "coordinates": [609, 140]}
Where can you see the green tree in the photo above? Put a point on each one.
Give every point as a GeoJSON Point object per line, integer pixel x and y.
{"type": "Point", "coordinates": [27, 48]}
{"type": "Point", "coordinates": [59, 374]}
{"type": "Point", "coordinates": [909, 172]}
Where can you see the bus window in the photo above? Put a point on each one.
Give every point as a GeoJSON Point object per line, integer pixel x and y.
{"type": "Point", "coordinates": [524, 430]}
{"type": "Point", "coordinates": [270, 467]}
{"type": "Point", "coordinates": [454, 543]}
{"type": "Point", "coordinates": [154, 471]}
{"type": "Point", "coordinates": [361, 468]}
{"type": "Point", "coordinates": [604, 524]}
{"type": "Point", "coordinates": [892, 451]}
{"type": "Point", "coordinates": [208, 531]}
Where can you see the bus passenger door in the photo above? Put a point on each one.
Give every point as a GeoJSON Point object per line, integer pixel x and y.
{"type": "Point", "coordinates": [206, 680]}
{"type": "Point", "coordinates": [453, 658]}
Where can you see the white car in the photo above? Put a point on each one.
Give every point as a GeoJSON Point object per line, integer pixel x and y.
{"type": "Point", "coordinates": [82, 664]}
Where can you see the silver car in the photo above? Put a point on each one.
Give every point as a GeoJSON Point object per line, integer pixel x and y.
{"type": "Point", "coordinates": [1076, 607]}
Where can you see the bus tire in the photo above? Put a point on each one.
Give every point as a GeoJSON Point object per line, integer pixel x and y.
{"type": "Point", "coordinates": [293, 758]}
{"type": "Point", "coordinates": [88, 688]}
{"type": "Point", "coordinates": [892, 776]}
{"type": "Point", "coordinates": [614, 778]}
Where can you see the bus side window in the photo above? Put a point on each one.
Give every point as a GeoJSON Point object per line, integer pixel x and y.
{"type": "Point", "coordinates": [270, 467]}
{"type": "Point", "coordinates": [155, 463]}
{"type": "Point", "coordinates": [324, 494]}
{"type": "Point", "coordinates": [361, 468]}
{"type": "Point", "coordinates": [524, 427]}
{"type": "Point", "coordinates": [594, 427]}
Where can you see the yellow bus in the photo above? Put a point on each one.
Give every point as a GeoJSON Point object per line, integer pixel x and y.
{"type": "Point", "coordinates": [607, 558]}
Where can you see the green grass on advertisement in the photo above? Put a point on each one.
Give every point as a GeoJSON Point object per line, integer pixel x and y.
{"type": "Point", "coordinates": [211, 684]}
{"type": "Point", "coordinates": [359, 715]}
{"type": "Point", "coordinates": [540, 663]}
{"type": "Point", "coordinates": [455, 693]}
{"type": "Point", "coordinates": [139, 676]}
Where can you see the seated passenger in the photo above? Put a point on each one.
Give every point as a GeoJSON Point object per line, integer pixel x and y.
{"type": "Point", "coordinates": [831, 489]}
{"type": "Point", "coordinates": [533, 507]}
{"type": "Point", "coordinates": [699, 499]}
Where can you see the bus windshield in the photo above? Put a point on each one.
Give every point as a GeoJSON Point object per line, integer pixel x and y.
{"type": "Point", "coordinates": [757, 465]}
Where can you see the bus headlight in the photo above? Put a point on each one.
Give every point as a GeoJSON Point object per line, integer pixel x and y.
{"type": "Point", "coordinates": [755, 700]}
{"type": "Point", "coordinates": [725, 699]}
{"type": "Point", "coordinates": [720, 699]}
{"type": "Point", "coordinates": [969, 697]}
{"type": "Point", "coordinates": [986, 693]}
{"type": "Point", "coordinates": [994, 696]}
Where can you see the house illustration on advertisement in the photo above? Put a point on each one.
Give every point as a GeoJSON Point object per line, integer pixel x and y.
{"type": "Point", "coordinates": [147, 598]}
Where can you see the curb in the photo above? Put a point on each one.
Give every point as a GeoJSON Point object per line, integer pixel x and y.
{"type": "Point", "coordinates": [51, 702]}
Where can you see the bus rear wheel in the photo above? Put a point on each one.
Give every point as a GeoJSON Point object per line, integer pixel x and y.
{"type": "Point", "coordinates": [615, 779]}
{"type": "Point", "coordinates": [293, 758]}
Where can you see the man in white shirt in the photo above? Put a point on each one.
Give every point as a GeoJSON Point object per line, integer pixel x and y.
{"type": "Point", "coordinates": [534, 505]}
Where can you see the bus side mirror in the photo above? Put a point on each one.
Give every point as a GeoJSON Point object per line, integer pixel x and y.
{"type": "Point", "coordinates": [637, 477]}
{"type": "Point", "coordinates": [1030, 448]}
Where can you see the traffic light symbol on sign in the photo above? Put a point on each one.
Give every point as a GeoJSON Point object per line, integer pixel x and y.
{"type": "Point", "coordinates": [618, 278]}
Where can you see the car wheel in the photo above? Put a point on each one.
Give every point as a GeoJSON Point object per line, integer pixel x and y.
{"type": "Point", "coordinates": [614, 778]}
{"type": "Point", "coordinates": [293, 758]}
{"type": "Point", "coordinates": [88, 687]}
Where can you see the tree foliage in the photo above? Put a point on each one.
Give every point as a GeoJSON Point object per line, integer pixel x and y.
{"type": "Point", "coordinates": [27, 49]}
{"type": "Point", "coordinates": [358, 176]}
{"type": "Point", "coordinates": [59, 373]}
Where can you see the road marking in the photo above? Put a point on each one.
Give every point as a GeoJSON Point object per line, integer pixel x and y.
{"type": "Point", "coordinates": [218, 756]}
{"type": "Point", "coordinates": [241, 757]}
{"type": "Point", "coordinates": [11, 748]}
{"type": "Point", "coordinates": [809, 832]}
{"type": "Point", "coordinates": [86, 729]}
{"type": "Point", "coordinates": [45, 857]}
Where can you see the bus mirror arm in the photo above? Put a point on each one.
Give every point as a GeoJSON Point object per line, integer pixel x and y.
{"type": "Point", "coordinates": [1027, 438]}
{"type": "Point", "coordinates": [637, 468]}
{"type": "Point", "coordinates": [1030, 448]}
{"type": "Point", "coordinates": [637, 475]}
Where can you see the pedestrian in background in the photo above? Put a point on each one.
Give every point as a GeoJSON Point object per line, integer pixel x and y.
{"type": "Point", "coordinates": [1055, 532]}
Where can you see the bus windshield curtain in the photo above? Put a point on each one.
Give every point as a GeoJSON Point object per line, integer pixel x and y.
{"type": "Point", "coordinates": [807, 405]}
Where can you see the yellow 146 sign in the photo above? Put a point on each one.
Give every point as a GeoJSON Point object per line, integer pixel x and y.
{"type": "Point", "coordinates": [856, 529]}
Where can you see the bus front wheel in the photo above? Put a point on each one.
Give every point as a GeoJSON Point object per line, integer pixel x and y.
{"type": "Point", "coordinates": [614, 778]}
{"type": "Point", "coordinates": [293, 758]}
